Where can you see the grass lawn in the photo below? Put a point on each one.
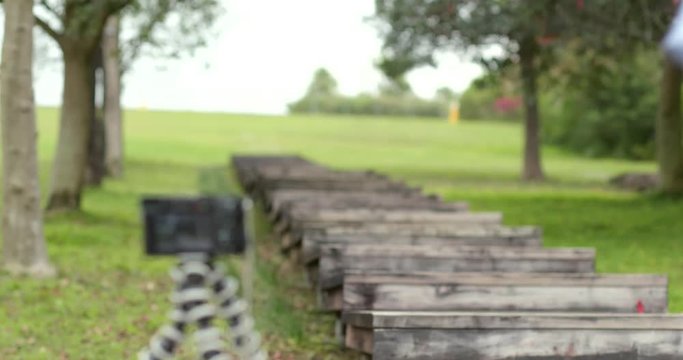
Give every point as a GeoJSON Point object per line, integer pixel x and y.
{"type": "Point", "coordinates": [108, 298]}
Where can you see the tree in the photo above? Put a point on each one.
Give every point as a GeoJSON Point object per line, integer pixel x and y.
{"type": "Point", "coordinates": [113, 120]}
{"type": "Point", "coordinates": [395, 87]}
{"type": "Point", "coordinates": [81, 29]}
{"type": "Point", "coordinates": [162, 29]}
{"type": "Point", "coordinates": [323, 84]}
{"type": "Point", "coordinates": [525, 31]}
{"type": "Point", "coordinates": [79, 34]}
{"type": "Point", "coordinates": [670, 130]}
{"type": "Point", "coordinates": [414, 30]}
{"type": "Point", "coordinates": [623, 27]}
{"type": "Point", "coordinates": [23, 240]}
{"type": "Point", "coordinates": [445, 95]}
{"type": "Point", "coordinates": [95, 169]}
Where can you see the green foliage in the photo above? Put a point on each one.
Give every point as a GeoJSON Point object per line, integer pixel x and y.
{"type": "Point", "coordinates": [395, 99]}
{"type": "Point", "coordinates": [397, 87]}
{"type": "Point", "coordinates": [322, 85]}
{"type": "Point", "coordinates": [159, 28]}
{"type": "Point", "coordinates": [477, 103]}
{"type": "Point", "coordinates": [445, 95]}
{"type": "Point", "coordinates": [479, 100]}
{"type": "Point", "coordinates": [368, 104]}
{"type": "Point", "coordinates": [167, 28]}
{"type": "Point", "coordinates": [608, 109]}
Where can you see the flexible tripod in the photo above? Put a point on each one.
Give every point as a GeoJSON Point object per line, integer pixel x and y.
{"type": "Point", "coordinates": [204, 292]}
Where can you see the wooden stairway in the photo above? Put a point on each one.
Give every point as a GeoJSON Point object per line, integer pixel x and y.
{"type": "Point", "coordinates": [413, 277]}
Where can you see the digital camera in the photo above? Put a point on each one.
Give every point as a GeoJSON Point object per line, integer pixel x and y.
{"type": "Point", "coordinates": [211, 225]}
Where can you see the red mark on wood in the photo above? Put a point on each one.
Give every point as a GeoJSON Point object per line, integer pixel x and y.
{"type": "Point", "coordinates": [640, 307]}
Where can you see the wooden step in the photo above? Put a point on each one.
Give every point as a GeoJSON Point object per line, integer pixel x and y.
{"type": "Point", "coordinates": [622, 293]}
{"type": "Point", "coordinates": [372, 215]}
{"type": "Point", "coordinates": [298, 207]}
{"type": "Point", "coordinates": [480, 236]}
{"type": "Point", "coordinates": [293, 236]}
{"type": "Point", "coordinates": [279, 199]}
{"type": "Point", "coordinates": [394, 229]}
{"type": "Point", "coordinates": [519, 336]}
{"type": "Point", "coordinates": [247, 166]}
{"type": "Point", "coordinates": [457, 220]}
{"type": "Point", "coordinates": [298, 210]}
{"type": "Point", "coordinates": [334, 261]}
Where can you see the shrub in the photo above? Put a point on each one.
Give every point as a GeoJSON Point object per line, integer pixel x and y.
{"type": "Point", "coordinates": [608, 110]}
{"type": "Point", "coordinates": [367, 104]}
{"type": "Point", "coordinates": [487, 99]}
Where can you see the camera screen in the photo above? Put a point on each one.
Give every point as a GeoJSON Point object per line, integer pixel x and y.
{"type": "Point", "coordinates": [182, 225]}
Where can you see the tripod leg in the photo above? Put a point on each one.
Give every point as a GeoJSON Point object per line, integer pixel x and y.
{"type": "Point", "coordinates": [196, 300]}
{"type": "Point", "coordinates": [235, 311]}
{"type": "Point", "coordinates": [168, 339]}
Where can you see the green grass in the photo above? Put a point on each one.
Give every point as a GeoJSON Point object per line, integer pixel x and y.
{"type": "Point", "coordinates": [108, 298]}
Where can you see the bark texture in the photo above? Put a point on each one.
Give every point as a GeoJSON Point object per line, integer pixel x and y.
{"type": "Point", "coordinates": [23, 239]}
{"type": "Point", "coordinates": [95, 170]}
{"type": "Point", "coordinates": [532, 169]}
{"type": "Point", "coordinates": [670, 130]}
{"type": "Point", "coordinates": [74, 129]}
{"type": "Point", "coordinates": [113, 120]}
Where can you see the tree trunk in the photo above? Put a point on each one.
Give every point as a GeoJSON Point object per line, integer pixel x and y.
{"type": "Point", "coordinates": [670, 130]}
{"type": "Point", "coordinates": [23, 240]}
{"type": "Point", "coordinates": [72, 147]}
{"type": "Point", "coordinates": [113, 121]}
{"type": "Point", "coordinates": [532, 169]}
{"type": "Point", "coordinates": [95, 170]}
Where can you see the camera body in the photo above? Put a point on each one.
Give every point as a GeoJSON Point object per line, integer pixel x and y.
{"type": "Point", "coordinates": [210, 225]}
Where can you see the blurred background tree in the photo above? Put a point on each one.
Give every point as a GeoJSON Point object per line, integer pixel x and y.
{"type": "Point", "coordinates": [394, 98]}
{"type": "Point", "coordinates": [603, 104]}
{"type": "Point", "coordinates": [164, 28]}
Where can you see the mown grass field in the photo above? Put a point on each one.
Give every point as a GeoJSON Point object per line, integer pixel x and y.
{"type": "Point", "coordinates": [108, 298]}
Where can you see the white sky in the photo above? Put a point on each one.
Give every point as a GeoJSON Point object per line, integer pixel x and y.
{"type": "Point", "coordinates": [264, 57]}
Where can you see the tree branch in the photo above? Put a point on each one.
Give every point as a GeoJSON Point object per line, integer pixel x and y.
{"type": "Point", "coordinates": [50, 9]}
{"type": "Point", "coordinates": [118, 6]}
{"type": "Point", "coordinates": [48, 29]}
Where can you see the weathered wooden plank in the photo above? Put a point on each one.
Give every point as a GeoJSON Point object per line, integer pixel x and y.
{"type": "Point", "coordinates": [503, 292]}
{"type": "Point", "coordinates": [511, 320]}
{"type": "Point", "coordinates": [464, 221]}
{"type": "Point", "coordinates": [401, 229]}
{"type": "Point", "coordinates": [530, 344]}
{"type": "Point", "coordinates": [314, 173]}
{"type": "Point", "coordinates": [336, 217]}
{"type": "Point", "coordinates": [503, 336]}
{"type": "Point", "coordinates": [360, 339]}
{"type": "Point", "coordinates": [247, 166]}
{"type": "Point", "coordinates": [403, 259]}
{"type": "Point", "coordinates": [304, 195]}
{"type": "Point", "coordinates": [311, 209]}
{"type": "Point", "coordinates": [392, 215]}
{"type": "Point", "coordinates": [479, 236]}
{"type": "Point", "coordinates": [405, 198]}
{"type": "Point", "coordinates": [283, 202]}
{"type": "Point", "coordinates": [456, 220]}
{"type": "Point", "coordinates": [288, 213]}
{"type": "Point", "coordinates": [334, 184]}
{"type": "Point", "coordinates": [247, 162]}
{"type": "Point", "coordinates": [326, 218]}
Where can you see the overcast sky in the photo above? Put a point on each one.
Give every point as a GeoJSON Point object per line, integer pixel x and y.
{"type": "Point", "coordinates": [264, 57]}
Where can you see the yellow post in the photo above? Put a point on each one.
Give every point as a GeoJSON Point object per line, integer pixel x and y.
{"type": "Point", "coordinates": [454, 114]}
